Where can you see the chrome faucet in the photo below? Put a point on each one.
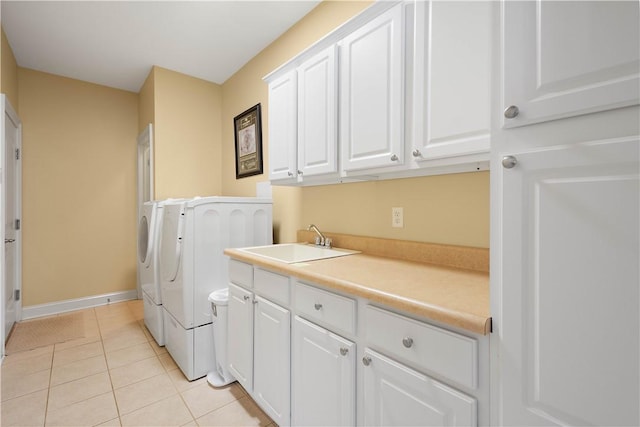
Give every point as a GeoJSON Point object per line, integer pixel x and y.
{"type": "Point", "coordinates": [321, 240]}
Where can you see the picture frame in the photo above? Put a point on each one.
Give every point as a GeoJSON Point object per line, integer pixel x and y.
{"type": "Point", "coordinates": [248, 139]}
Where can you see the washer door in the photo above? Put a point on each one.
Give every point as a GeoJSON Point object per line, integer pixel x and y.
{"type": "Point", "coordinates": [171, 243]}
{"type": "Point", "coordinates": [143, 241]}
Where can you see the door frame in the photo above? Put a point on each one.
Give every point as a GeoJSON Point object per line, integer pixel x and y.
{"type": "Point", "coordinates": [145, 139]}
{"type": "Point", "coordinates": [7, 110]}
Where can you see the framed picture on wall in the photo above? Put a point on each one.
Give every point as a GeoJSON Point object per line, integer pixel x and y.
{"type": "Point", "coordinates": [248, 136]}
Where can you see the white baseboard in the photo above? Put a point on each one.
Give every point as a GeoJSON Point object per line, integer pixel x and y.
{"type": "Point", "coordinates": [58, 307]}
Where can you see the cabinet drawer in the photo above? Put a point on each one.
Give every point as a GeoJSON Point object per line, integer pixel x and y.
{"type": "Point", "coordinates": [241, 273]}
{"type": "Point", "coordinates": [334, 311]}
{"type": "Point", "coordinates": [272, 286]}
{"type": "Point", "coordinates": [449, 354]}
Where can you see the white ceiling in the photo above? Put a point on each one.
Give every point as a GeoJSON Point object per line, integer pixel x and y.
{"type": "Point", "coordinates": [115, 43]}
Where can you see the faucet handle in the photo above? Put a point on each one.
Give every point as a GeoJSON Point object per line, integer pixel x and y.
{"type": "Point", "coordinates": [327, 242]}
{"type": "Point", "coordinates": [318, 241]}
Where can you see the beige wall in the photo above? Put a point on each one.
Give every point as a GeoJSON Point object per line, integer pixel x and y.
{"type": "Point", "coordinates": [79, 174]}
{"type": "Point", "coordinates": [246, 88]}
{"type": "Point", "coordinates": [8, 72]}
{"type": "Point", "coordinates": [146, 102]}
{"type": "Point", "coordinates": [452, 209]}
{"type": "Point", "coordinates": [449, 209]}
{"type": "Point", "coordinates": [79, 169]}
{"type": "Point", "coordinates": [187, 150]}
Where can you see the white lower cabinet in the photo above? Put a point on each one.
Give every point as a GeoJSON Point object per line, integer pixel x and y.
{"type": "Point", "coordinates": [295, 347]}
{"type": "Point", "coordinates": [395, 395]}
{"type": "Point", "coordinates": [259, 349]}
{"type": "Point", "coordinates": [323, 377]}
{"type": "Point", "coordinates": [271, 364]}
{"type": "Point", "coordinates": [240, 342]}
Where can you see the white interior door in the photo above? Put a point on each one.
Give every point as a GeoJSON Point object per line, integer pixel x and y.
{"type": "Point", "coordinates": [11, 190]}
{"type": "Point", "coordinates": [145, 176]}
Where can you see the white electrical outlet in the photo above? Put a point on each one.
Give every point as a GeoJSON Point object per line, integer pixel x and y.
{"type": "Point", "coordinates": [397, 217]}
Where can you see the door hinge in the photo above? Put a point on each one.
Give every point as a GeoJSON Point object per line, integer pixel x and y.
{"type": "Point", "coordinates": [16, 294]}
{"type": "Point", "coordinates": [17, 224]}
{"type": "Point", "coordinates": [17, 154]}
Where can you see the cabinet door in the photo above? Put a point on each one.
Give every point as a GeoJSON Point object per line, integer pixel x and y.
{"type": "Point", "coordinates": [282, 127]}
{"type": "Point", "coordinates": [569, 329]}
{"type": "Point", "coordinates": [240, 340]}
{"type": "Point", "coordinates": [371, 93]}
{"type": "Point", "coordinates": [317, 114]}
{"type": "Point", "coordinates": [272, 361]}
{"type": "Point", "coordinates": [323, 377]}
{"type": "Point", "coordinates": [565, 58]}
{"type": "Point", "coordinates": [452, 79]}
{"type": "Point", "coordinates": [397, 395]}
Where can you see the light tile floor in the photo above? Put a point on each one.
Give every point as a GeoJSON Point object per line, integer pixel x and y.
{"type": "Point", "coordinates": [115, 376]}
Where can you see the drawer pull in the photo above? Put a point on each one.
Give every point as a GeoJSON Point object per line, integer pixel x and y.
{"type": "Point", "coordinates": [344, 351]}
{"type": "Point", "coordinates": [366, 360]}
{"type": "Point", "coordinates": [246, 297]}
{"type": "Point", "coordinates": [407, 342]}
{"type": "Point", "coordinates": [317, 306]}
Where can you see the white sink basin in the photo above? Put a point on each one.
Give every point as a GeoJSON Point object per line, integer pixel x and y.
{"type": "Point", "coordinates": [297, 252]}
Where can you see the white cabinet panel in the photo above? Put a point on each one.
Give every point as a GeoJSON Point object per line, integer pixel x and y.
{"type": "Point", "coordinates": [565, 58]}
{"type": "Point", "coordinates": [371, 93]}
{"type": "Point", "coordinates": [271, 376]}
{"type": "Point", "coordinates": [283, 127]}
{"type": "Point", "coordinates": [332, 310]}
{"type": "Point", "coordinates": [428, 347]}
{"type": "Point", "coordinates": [272, 285]}
{"type": "Point", "coordinates": [395, 395]}
{"type": "Point", "coordinates": [317, 114]}
{"type": "Point", "coordinates": [453, 78]}
{"type": "Point", "coordinates": [570, 331]}
{"type": "Point", "coordinates": [240, 342]}
{"type": "Point", "coordinates": [324, 374]}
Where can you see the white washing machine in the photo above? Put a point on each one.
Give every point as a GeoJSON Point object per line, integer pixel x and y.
{"type": "Point", "coordinates": [149, 229]}
{"type": "Point", "coordinates": [195, 234]}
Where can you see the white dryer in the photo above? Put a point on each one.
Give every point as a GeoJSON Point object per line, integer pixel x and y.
{"type": "Point", "coordinates": [195, 234]}
{"type": "Point", "coordinates": [149, 229]}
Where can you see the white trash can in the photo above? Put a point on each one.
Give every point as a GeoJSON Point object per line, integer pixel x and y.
{"type": "Point", "coordinates": [220, 376]}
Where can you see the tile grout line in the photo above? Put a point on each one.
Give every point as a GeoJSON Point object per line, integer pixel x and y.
{"type": "Point", "coordinates": [104, 352]}
{"type": "Point", "coordinates": [46, 405]}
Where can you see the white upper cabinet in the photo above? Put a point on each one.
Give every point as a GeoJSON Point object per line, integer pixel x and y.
{"type": "Point", "coordinates": [371, 93]}
{"type": "Point", "coordinates": [283, 127]}
{"type": "Point", "coordinates": [566, 58]}
{"type": "Point", "coordinates": [403, 89]}
{"type": "Point", "coordinates": [452, 80]}
{"type": "Point", "coordinates": [317, 114]}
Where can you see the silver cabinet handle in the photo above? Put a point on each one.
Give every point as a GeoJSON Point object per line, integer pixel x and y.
{"type": "Point", "coordinates": [9, 240]}
{"type": "Point", "coordinates": [344, 351]}
{"type": "Point", "coordinates": [509, 162]}
{"type": "Point", "coordinates": [416, 153]}
{"type": "Point", "coordinates": [366, 361]}
{"type": "Point", "coordinates": [407, 342]}
{"type": "Point", "coordinates": [511, 112]}
{"type": "Point", "coordinates": [289, 173]}
{"type": "Point", "coordinates": [317, 306]}
{"type": "Point", "coordinates": [246, 297]}
{"type": "Point", "coordinates": [394, 158]}
{"type": "Point", "coordinates": [299, 172]}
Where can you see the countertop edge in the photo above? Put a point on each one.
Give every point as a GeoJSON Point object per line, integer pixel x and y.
{"type": "Point", "coordinates": [477, 324]}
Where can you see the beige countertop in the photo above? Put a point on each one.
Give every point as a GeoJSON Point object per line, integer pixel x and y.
{"type": "Point", "coordinates": [453, 296]}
